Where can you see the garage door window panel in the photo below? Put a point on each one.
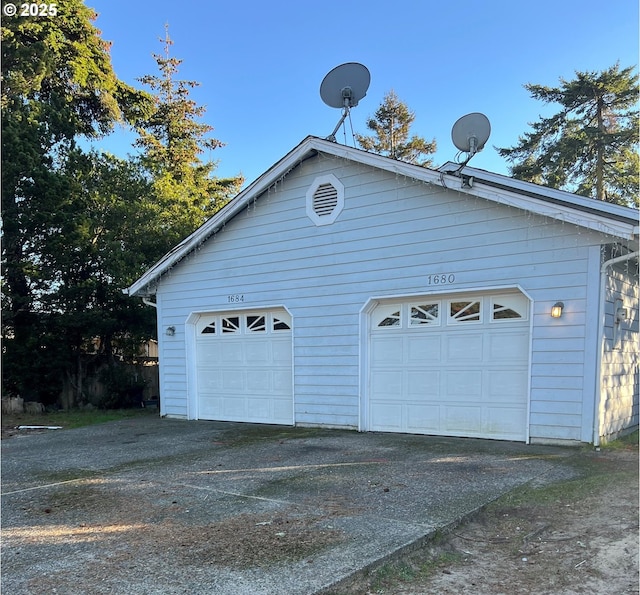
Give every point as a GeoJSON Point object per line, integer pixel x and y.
{"type": "Point", "coordinates": [280, 324]}
{"type": "Point", "coordinates": [256, 324]}
{"type": "Point", "coordinates": [425, 314]}
{"type": "Point", "coordinates": [388, 316]}
{"type": "Point", "coordinates": [509, 307]}
{"type": "Point", "coordinates": [210, 329]}
{"type": "Point", "coordinates": [464, 312]}
{"type": "Point", "coordinates": [230, 324]}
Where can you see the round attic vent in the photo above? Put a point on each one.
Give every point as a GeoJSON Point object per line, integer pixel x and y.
{"type": "Point", "coordinates": [325, 200]}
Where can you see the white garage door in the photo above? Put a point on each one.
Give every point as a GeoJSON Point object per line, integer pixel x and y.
{"type": "Point", "coordinates": [454, 366]}
{"type": "Point", "coordinates": [244, 367]}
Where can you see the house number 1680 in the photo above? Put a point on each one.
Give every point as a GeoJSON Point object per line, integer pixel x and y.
{"type": "Point", "coordinates": [443, 279]}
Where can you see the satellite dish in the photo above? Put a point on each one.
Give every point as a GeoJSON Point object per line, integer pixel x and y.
{"type": "Point", "coordinates": [470, 133]}
{"type": "Point", "coordinates": [343, 87]}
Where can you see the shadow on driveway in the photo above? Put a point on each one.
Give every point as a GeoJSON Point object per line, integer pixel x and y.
{"type": "Point", "coordinates": [159, 506]}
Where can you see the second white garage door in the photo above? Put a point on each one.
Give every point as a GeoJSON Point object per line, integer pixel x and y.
{"type": "Point", "coordinates": [452, 365]}
{"type": "Point", "coordinates": [244, 367]}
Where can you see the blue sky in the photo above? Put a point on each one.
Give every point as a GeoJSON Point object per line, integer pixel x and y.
{"type": "Point", "coordinates": [260, 63]}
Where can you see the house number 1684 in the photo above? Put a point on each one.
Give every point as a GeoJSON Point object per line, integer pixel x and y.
{"type": "Point", "coordinates": [443, 279]}
{"type": "Point", "coordinates": [235, 298]}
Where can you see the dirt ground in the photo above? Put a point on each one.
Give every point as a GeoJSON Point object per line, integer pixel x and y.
{"type": "Point", "coordinates": [575, 537]}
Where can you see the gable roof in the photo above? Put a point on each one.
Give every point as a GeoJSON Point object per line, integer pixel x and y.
{"type": "Point", "coordinates": [586, 212]}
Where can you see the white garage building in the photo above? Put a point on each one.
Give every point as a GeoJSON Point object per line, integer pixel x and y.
{"type": "Point", "coordinates": [346, 289]}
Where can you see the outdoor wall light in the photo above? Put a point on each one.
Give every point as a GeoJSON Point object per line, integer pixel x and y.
{"type": "Point", "coordinates": [171, 330]}
{"type": "Point", "coordinates": [556, 310]}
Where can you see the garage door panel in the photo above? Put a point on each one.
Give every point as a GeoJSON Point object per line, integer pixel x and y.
{"type": "Point", "coordinates": [423, 384]}
{"type": "Point", "coordinates": [208, 351]}
{"type": "Point", "coordinates": [421, 418]}
{"type": "Point", "coordinates": [387, 417]}
{"type": "Point", "coordinates": [463, 419]}
{"type": "Point", "coordinates": [464, 383]}
{"type": "Point", "coordinates": [281, 352]}
{"type": "Point", "coordinates": [508, 347]}
{"type": "Point", "coordinates": [209, 405]}
{"type": "Point", "coordinates": [234, 409]}
{"type": "Point", "coordinates": [209, 380]}
{"type": "Point", "coordinates": [257, 352]}
{"type": "Point", "coordinates": [388, 350]}
{"type": "Point", "coordinates": [423, 349]}
{"type": "Point", "coordinates": [506, 385]}
{"type": "Point", "coordinates": [387, 383]}
{"type": "Point", "coordinates": [465, 347]}
{"type": "Point", "coordinates": [505, 420]}
{"type": "Point", "coordinates": [282, 411]}
{"type": "Point", "coordinates": [281, 381]}
{"type": "Point", "coordinates": [260, 409]}
{"type": "Point", "coordinates": [452, 376]}
{"type": "Point", "coordinates": [231, 380]}
{"type": "Point", "coordinates": [258, 380]}
{"type": "Point", "coordinates": [232, 352]}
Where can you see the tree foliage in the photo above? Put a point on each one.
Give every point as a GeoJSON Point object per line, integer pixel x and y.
{"type": "Point", "coordinates": [590, 146]}
{"type": "Point", "coordinates": [57, 84]}
{"type": "Point", "coordinates": [391, 125]}
{"type": "Point", "coordinates": [80, 226]}
{"type": "Point", "coordinates": [173, 142]}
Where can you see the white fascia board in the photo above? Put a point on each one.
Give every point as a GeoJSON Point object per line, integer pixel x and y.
{"type": "Point", "coordinates": [593, 221]}
{"type": "Point", "coordinates": [581, 202]}
{"type": "Point", "coordinates": [391, 165]}
{"type": "Point", "coordinates": [598, 216]}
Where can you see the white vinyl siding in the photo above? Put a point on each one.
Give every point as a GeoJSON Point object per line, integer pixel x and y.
{"type": "Point", "coordinates": [392, 234]}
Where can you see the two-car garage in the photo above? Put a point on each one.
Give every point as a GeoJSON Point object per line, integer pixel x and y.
{"type": "Point", "coordinates": [416, 300]}
{"type": "Point", "coordinates": [455, 365]}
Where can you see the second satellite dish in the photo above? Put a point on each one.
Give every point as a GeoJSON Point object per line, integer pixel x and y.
{"type": "Point", "coordinates": [345, 85]}
{"type": "Point", "coordinates": [470, 133]}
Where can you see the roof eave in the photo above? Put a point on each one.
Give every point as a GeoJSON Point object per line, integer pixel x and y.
{"type": "Point", "coordinates": [545, 194]}
{"type": "Point", "coordinates": [609, 219]}
{"type": "Point", "coordinates": [145, 285]}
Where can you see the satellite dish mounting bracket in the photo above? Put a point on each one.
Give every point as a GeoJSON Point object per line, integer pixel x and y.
{"type": "Point", "coordinates": [345, 112]}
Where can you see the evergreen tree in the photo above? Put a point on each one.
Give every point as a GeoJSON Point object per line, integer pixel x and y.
{"type": "Point", "coordinates": [57, 84]}
{"type": "Point", "coordinates": [173, 141]}
{"type": "Point", "coordinates": [106, 239]}
{"type": "Point", "coordinates": [590, 146]}
{"type": "Point", "coordinates": [78, 227]}
{"type": "Point", "coordinates": [391, 124]}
